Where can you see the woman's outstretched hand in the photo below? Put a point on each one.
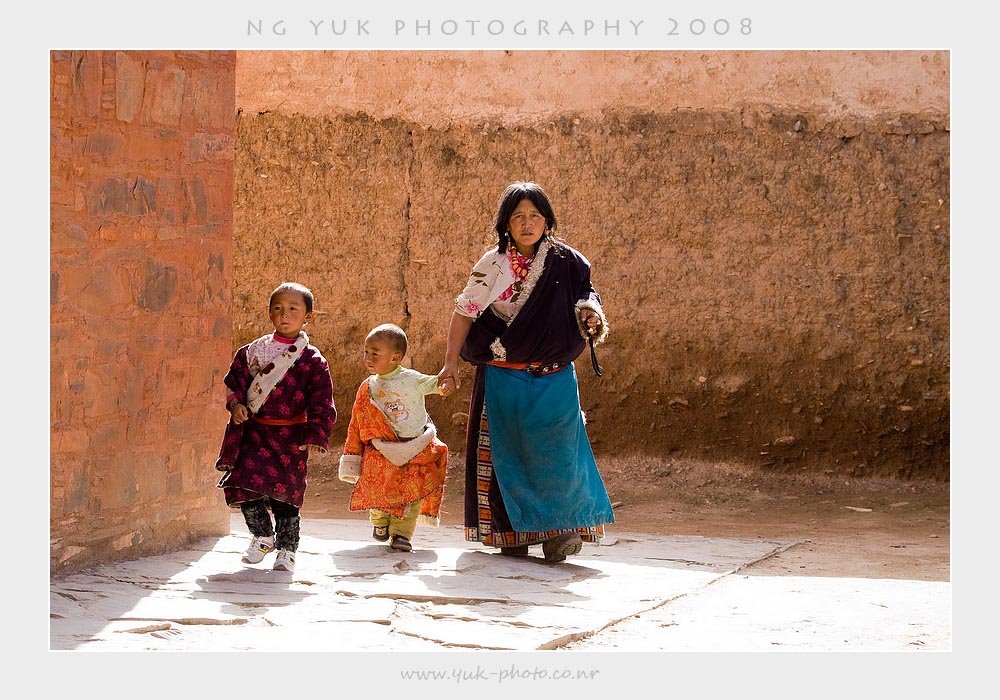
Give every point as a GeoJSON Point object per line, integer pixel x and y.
{"type": "Point", "coordinates": [448, 379]}
{"type": "Point", "coordinates": [458, 330]}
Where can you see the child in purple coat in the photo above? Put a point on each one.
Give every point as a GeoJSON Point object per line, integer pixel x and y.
{"type": "Point", "coordinates": [281, 405]}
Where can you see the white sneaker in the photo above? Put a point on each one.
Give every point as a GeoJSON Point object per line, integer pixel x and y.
{"type": "Point", "coordinates": [285, 561]}
{"type": "Point", "coordinates": [258, 549]}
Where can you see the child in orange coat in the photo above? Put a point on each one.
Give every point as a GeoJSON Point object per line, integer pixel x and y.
{"type": "Point", "coordinates": [392, 453]}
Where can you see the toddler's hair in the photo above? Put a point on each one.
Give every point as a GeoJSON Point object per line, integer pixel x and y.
{"type": "Point", "coordinates": [392, 334]}
{"type": "Point", "coordinates": [293, 287]}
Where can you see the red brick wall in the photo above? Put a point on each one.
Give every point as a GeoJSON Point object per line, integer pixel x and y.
{"type": "Point", "coordinates": [141, 273]}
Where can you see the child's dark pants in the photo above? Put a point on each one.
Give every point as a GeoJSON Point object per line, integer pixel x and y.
{"type": "Point", "coordinates": [286, 521]}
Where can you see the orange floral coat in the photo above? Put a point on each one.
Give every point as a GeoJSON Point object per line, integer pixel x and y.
{"type": "Point", "coordinates": [382, 484]}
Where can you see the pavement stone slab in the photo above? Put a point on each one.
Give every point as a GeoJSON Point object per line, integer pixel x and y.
{"type": "Point", "coordinates": [350, 593]}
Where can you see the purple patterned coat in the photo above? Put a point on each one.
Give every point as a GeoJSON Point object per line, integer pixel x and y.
{"type": "Point", "coordinates": [267, 459]}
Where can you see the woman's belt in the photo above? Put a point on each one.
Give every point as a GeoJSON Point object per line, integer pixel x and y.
{"type": "Point", "coordinates": [532, 368]}
{"type": "Point", "coordinates": [294, 420]}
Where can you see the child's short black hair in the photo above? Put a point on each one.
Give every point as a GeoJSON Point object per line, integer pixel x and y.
{"type": "Point", "coordinates": [293, 287]}
{"type": "Point", "coordinates": [392, 334]}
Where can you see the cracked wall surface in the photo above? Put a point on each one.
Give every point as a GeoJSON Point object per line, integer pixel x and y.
{"type": "Point", "coordinates": [769, 231]}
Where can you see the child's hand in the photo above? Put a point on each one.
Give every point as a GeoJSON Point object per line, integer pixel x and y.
{"type": "Point", "coordinates": [448, 380]}
{"type": "Point", "coordinates": [239, 413]}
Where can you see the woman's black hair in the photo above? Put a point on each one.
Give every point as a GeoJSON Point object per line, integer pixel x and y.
{"type": "Point", "coordinates": [511, 197]}
{"type": "Point", "coordinates": [306, 293]}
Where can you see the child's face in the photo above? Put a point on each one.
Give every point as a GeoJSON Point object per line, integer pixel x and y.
{"type": "Point", "coordinates": [288, 313]}
{"type": "Point", "coordinates": [380, 357]}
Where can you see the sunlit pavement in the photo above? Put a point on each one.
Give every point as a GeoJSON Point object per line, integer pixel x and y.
{"type": "Point", "coordinates": [633, 592]}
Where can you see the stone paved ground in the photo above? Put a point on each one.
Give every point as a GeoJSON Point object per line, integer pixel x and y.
{"type": "Point", "coordinates": [635, 592]}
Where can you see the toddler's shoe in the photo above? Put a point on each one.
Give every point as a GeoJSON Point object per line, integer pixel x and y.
{"type": "Point", "coordinates": [401, 543]}
{"type": "Point", "coordinates": [518, 551]}
{"type": "Point", "coordinates": [380, 533]}
{"type": "Point", "coordinates": [561, 546]}
{"type": "Point", "coordinates": [285, 561]}
{"type": "Point", "coordinates": [258, 549]}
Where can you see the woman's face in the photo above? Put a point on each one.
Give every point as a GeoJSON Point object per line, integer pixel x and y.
{"type": "Point", "coordinates": [526, 226]}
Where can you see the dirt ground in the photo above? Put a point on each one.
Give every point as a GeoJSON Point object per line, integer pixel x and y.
{"type": "Point", "coordinates": [846, 527]}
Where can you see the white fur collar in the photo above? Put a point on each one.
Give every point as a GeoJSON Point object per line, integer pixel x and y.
{"type": "Point", "coordinates": [400, 453]}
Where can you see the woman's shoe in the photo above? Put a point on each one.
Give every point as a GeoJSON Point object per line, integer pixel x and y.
{"type": "Point", "coordinates": [519, 551]}
{"type": "Point", "coordinates": [561, 546]}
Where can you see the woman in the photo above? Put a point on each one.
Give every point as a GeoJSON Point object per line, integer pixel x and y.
{"type": "Point", "coordinates": [526, 313]}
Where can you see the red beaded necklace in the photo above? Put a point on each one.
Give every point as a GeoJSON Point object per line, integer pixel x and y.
{"type": "Point", "coordinates": [519, 263]}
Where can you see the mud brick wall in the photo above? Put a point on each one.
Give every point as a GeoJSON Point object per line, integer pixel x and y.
{"type": "Point", "coordinates": [141, 269]}
{"type": "Point", "coordinates": [769, 231]}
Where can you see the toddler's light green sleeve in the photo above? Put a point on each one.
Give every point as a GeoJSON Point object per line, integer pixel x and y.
{"type": "Point", "coordinates": [428, 384]}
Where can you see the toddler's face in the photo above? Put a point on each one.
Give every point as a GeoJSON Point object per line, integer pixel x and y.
{"type": "Point", "coordinates": [380, 357]}
{"type": "Point", "coordinates": [288, 313]}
